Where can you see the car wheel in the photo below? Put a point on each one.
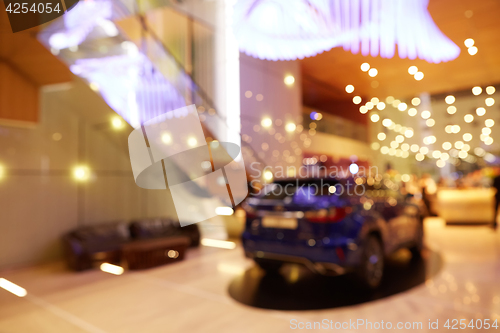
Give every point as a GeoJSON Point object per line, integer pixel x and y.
{"type": "Point", "coordinates": [416, 250]}
{"type": "Point", "coordinates": [270, 266]}
{"type": "Point", "coordinates": [371, 270]}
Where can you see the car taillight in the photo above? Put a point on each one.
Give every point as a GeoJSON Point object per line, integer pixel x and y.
{"type": "Point", "coordinates": [251, 215]}
{"type": "Point", "coordinates": [332, 215]}
{"type": "Point", "coordinates": [250, 212]}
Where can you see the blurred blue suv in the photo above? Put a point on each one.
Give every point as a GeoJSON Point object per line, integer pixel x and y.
{"type": "Point", "coordinates": [329, 227]}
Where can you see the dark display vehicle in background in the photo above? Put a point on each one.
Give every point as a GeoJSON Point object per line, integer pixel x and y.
{"type": "Point", "coordinates": [331, 226]}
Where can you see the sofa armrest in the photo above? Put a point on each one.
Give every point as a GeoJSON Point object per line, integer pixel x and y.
{"type": "Point", "coordinates": [193, 232]}
{"type": "Point", "coordinates": [75, 256]}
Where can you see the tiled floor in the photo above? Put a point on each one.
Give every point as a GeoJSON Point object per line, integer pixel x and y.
{"type": "Point", "coordinates": [192, 296]}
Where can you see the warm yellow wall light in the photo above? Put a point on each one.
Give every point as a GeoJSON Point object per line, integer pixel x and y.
{"type": "Point", "coordinates": [81, 173]}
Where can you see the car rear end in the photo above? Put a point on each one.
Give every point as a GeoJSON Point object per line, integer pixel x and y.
{"type": "Point", "coordinates": [308, 223]}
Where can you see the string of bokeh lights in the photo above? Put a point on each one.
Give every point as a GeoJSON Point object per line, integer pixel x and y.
{"type": "Point", "coordinates": [451, 152]}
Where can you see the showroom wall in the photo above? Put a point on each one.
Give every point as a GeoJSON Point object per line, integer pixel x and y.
{"type": "Point", "coordinates": [339, 147]}
{"type": "Point", "coordinates": [42, 200]}
{"type": "Point", "coordinates": [264, 94]}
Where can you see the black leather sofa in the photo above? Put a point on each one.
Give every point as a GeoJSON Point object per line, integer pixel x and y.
{"type": "Point", "coordinates": [104, 242]}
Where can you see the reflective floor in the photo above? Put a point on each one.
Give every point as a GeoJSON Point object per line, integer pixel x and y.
{"type": "Point", "coordinates": [193, 295]}
{"type": "Point", "coordinates": [297, 288]}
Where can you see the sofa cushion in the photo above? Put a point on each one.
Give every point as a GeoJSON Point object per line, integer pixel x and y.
{"type": "Point", "coordinates": [102, 237]}
{"type": "Point", "coordinates": [154, 228]}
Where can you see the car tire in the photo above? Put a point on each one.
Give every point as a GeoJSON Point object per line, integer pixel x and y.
{"type": "Point", "coordinates": [269, 266]}
{"type": "Point", "coordinates": [371, 268]}
{"type": "Point", "coordinates": [416, 250]}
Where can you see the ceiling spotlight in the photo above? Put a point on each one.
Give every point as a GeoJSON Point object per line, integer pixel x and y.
{"type": "Point", "coordinates": [467, 137]}
{"type": "Point", "coordinates": [412, 70]}
{"type": "Point", "coordinates": [117, 122]}
{"type": "Point", "coordinates": [490, 90]}
{"type": "Point", "coordinates": [374, 117]}
{"type": "Point", "coordinates": [381, 105]}
{"type": "Point", "coordinates": [192, 142]}
{"type": "Point", "coordinates": [166, 138]}
{"type": "Point", "coordinates": [430, 122]}
{"type": "Point", "coordinates": [472, 50]}
{"type": "Point", "coordinates": [94, 86]}
{"type": "Point", "coordinates": [365, 66]}
{"type": "Point", "coordinates": [373, 72]}
{"type": "Point", "coordinates": [389, 99]}
{"type": "Point", "coordinates": [469, 42]}
{"type": "Point", "coordinates": [402, 107]}
{"type": "Point", "coordinates": [290, 127]}
{"type": "Point", "coordinates": [356, 99]}
{"type": "Point", "coordinates": [477, 90]}
{"type": "Point", "coordinates": [415, 101]}
{"type": "Point", "coordinates": [451, 109]}
{"type": "Point", "coordinates": [266, 122]}
{"type": "Point", "coordinates": [479, 151]}
{"type": "Point", "coordinates": [412, 112]}
{"type": "Point", "coordinates": [363, 109]}
{"type": "Point", "coordinates": [489, 122]}
{"type": "Point", "coordinates": [381, 136]}
{"type": "Point", "coordinates": [387, 122]}
{"type": "Point", "coordinates": [450, 99]}
{"type": "Point", "coordinates": [486, 131]}
{"type": "Point", "coordinates": [268, 175]}
{"type": "Point", "coordinates": [349, 88]}
{"type": "Point", "coordinates": [447, 146]}
{"type": "Point", "coordinates": [289, 80]}
{"type": "Point", "coordinates": [489, 101]}
{"type": "Point", "coordinates": [425, 114]}
{"type": "Point", "coordinates": [419, 76]}
{"type": "Point", "coordinates": [480, 111]}
{"type": "Point", "coordinates": [436, 154]}
{"type": "Point", "coordinates": [469, 118]}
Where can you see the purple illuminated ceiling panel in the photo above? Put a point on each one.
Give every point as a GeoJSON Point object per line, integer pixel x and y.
{"type": "Point", "coordinates": [94, 48]}
{"type": "Point", "coordinates": [81, 20]}
{"type": "Point", "coordinates": [130, 85]}
{"type": "Point", "coordinates": [284, 29]}
{"type": "Point", "coordinates": [293, 29]}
